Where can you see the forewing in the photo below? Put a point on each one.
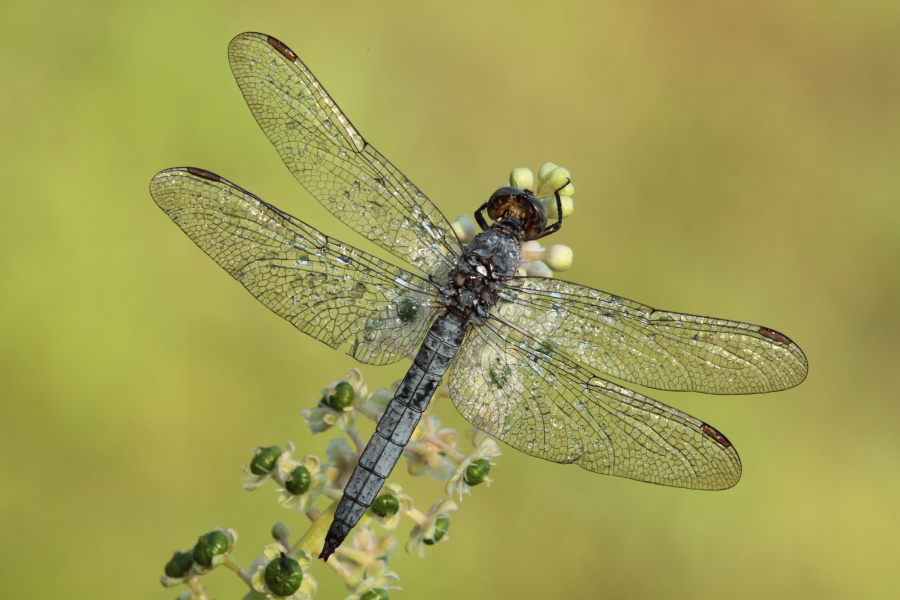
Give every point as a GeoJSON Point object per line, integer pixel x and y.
{"type": "Point", "coordinates": [332, 160]}
{"type": "Point", "coordinates": [654, 348]}
{"type": "Point", "coordinates": [548, 406]}
{"type": "Point", "coordinates": [328, 290]}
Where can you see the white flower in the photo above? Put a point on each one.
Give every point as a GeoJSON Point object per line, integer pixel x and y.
{"type": "Point", "coordinates": [275, 552]}
{"type": "Point", "coordinates": [430, 528]}
{"type": "Point", "coordinates": [342, 459]}
{"type": "Point", "coordinates": [404, 503]}
{"type": "Point", "coordinates": [366, 555]}
{"type": "Point", "coordinates": [485, 449]}
{"type": "Point", "coordinates": [297, 475]}
{"type": "Point", "coordinates": [257, 479]}
{"type": "Point", "coordinates": [427, 452]}
{"type": "Point", "coordinates": [337, 406]}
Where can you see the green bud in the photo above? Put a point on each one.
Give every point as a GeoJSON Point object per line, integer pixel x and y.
{"type": "Point", "coordinates": [281, 531]}
{"type": "Point", "coordinates": [441, 524]}
{"type": "Point", "coordinates": [179, 565]}
{"type": "Point", "coordinates": [284, 575]}
{"type": "Point", "coordinates": [477, 471]}
{"type": "Point", "coordinates": [298, 481]}
{"type": "Point", "coordinates": [210, 545]}
{"type": "Point", "coordinates": [264, 460]}
{"type": "Point", "coordinates": [407, 310]}
{"type": "Point", "coordinates": [385, 506]}
{"type": "Point", "coordinates": [341, 398]}
{"type": "Point", "coordinates": [376, 594]}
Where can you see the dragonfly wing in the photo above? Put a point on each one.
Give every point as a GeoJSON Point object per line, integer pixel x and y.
{"type": "Point", "coordinates": [326, 154]}
{"type": "Point", "coordinates": [548, 406]}
{"type": "Point", "coordinates": [654, 348]}
{"type": "Point", "coordinates": [331, 291]}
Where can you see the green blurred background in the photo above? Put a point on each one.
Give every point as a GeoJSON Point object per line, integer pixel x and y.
{"type": "Point", "coordinates": [734, 159]}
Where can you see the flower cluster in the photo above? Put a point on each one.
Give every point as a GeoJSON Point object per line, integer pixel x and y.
{"type": "Point", "coordinates": [552, 180]}
{"type": "Point", "coordinates": [313, 486]}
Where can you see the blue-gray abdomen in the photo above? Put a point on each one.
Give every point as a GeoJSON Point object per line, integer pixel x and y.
{"type": "Point", "coordinates": [396, 425]}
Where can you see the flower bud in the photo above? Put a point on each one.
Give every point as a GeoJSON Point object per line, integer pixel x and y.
{"type": "Point", "coordinates": [538, 269]}
{"type": "Point", "coordinates": [179, 565]}
{"type": "Point", "coordinates": [342, 397]}
{"type": "Point", "coordinates": [545, 170]}
{"type": "Point", "coordinates": [558, 257]}
{"type": "Point", "coordinates": [284, 575]}
{"type": "Point", "coordinates": [298, 481]}
{"type": "Point", "coordinates": [209, 546]}
{"type": "Point", "coordinates": [556, 179]}
{"type": "Point", "coordinates": [264, 459]}
{"type": "Point", "coordinates": [477, 471]}
{"type": "Point", "coordinates": [281, 531]}
{"type": "Point", "coordinates": [376, 594]}
{"type": "Point", "coordinates": [567, 203]}
{"type": "Point", "coordinates": [441, 524]}
{"type": "Point", "coordinates": [464, 228]}
{"type": "Point", "coordinates": [385, 505]}
{"type": "Point", "coordinates": [522, 178]}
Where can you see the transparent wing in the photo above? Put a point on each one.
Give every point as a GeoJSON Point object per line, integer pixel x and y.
{"type": "Point", "coordinates": [654, 348]}
{"type": "Point", "coordinates": [332, 160]}
{"type": "Point", "coordinates": [328, 290]}
{"type": "Point", "coordinates": [548, 406]}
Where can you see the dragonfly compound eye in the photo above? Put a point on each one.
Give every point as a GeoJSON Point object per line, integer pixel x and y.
{"type": "Point", "coordinates": [522, 205]}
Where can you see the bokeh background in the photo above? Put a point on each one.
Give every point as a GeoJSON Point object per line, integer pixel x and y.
{"type": "Point", "coordinates": [734, 159]}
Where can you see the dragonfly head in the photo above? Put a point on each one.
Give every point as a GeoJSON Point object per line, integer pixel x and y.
{"type": "Point", "coordinates": [518, 211]}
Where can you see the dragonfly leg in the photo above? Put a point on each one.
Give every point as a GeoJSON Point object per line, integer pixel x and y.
{"type": "Point", "coordinates": [555, 227]}
{"type": "Point", "coordinates": [479, 216]}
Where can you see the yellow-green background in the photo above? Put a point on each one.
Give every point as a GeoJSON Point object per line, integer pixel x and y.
{"type": "Point", "coordinates": [736, 159]}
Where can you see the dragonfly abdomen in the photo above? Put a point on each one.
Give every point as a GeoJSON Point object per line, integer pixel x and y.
{"type": "Point", "coordinates": [396, 425]}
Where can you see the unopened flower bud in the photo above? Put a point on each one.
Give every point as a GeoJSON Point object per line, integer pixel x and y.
{"type": "Point", "coordinates": [441, 524]}
{"type": "Point", "coordinates": [385, 505]}
{"type": "Point", "coordinates": [284, 575]}
{"type": "Point", "coordinates": [264, 459]}
{"type": "Point", "coordinates": [298, 481]}
{"type": "Point", "coordinates": [209, 546]}
{"type": "Point", "coordinates": [477, 472]}
{"type": "Point", "coordinates": [179, 565]}
{"type": "Point", "coordinates": [522, 178]}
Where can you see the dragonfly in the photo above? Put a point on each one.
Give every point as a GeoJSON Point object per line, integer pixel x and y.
{"type": "Point", "coordinates": [526, 359]}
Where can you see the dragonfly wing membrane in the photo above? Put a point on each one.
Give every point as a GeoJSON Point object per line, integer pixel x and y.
{"type": "Point", "coordinates": [326, 154]}
{"type": "Point", "coordinates": [548, 406]}
{"type": "Point", "coordinates": [653, 348]}
{"type": "Point", "coordinates": [331, 291]}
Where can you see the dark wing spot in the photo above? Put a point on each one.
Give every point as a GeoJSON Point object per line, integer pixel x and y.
{"type": "Point", "coordinates": [714, 434]}
{"type": "Point", "coordinates": [203, 173]}
{"type": "Point", "coordinates": [775, 336]}
{"type": "Point", "coordinates": [284, 50]}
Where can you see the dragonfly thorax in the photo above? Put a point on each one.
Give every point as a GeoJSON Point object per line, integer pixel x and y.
{"type": "Point", "coordinates": [474, 284]}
